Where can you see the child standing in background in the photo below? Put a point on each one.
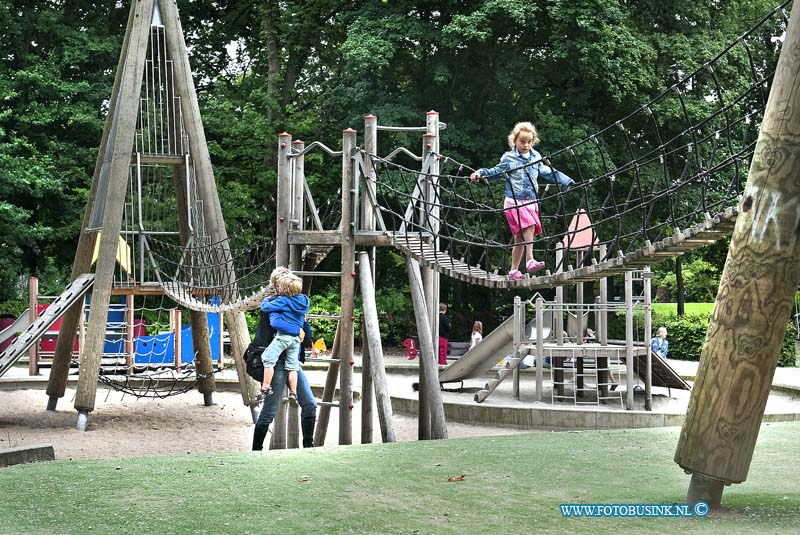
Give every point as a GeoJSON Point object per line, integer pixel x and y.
{"type": "Point", "coordinates": [521, 167]}
{"type": "Point", "coordinates": [287, 312]}
{"type": "Point", "coordinates": [477, 334]}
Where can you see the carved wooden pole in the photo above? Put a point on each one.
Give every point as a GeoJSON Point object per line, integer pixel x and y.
{"type": "Point", "coordinates": [754, 300]}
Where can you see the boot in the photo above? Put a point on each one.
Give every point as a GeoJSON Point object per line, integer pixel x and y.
{"type": "Point", "coordinates": [259, 433]}
{"type": "Point", "coordinates": [307, 426]}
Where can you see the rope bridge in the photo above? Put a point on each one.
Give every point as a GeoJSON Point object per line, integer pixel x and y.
{"type": "Point", "coordinates": [662, 181]}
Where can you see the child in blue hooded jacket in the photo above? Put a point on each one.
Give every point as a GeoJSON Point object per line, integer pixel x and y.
{"type": "Point", "coordinates": [521, 168]}
{"type": "Point", "coordinates": [287, 313]}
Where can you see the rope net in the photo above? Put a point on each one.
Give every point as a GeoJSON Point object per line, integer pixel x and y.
{"type": "Point", "coordinates": [141, 354]}
{"type": "Point", "coordinates": [679, 161]}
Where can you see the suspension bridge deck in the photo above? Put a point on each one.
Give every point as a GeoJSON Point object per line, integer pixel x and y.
{"type": "Point", "coordinates": [711, 230]}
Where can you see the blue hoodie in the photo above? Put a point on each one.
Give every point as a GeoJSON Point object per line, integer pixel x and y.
{"type": "Point", "coordinates": [521, 174]}
{"type": "Point", "coordinates": [286, 313]}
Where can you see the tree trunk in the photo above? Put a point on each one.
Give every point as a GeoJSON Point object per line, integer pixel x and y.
{"type": "Point", "coordinates": [681, 288]}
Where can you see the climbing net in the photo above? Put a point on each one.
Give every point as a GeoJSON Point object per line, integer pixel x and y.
{"type": "Point", "coordinates": [674, 162]}
{"type": "Point", "coordinates": [148, 350]}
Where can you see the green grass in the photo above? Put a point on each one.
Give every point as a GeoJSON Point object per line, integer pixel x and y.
{"type": "Point", "coordinates": [512, 484]}
{"type": "Point", "coordinates": [691, 308]}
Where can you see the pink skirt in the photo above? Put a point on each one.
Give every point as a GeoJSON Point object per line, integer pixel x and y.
{"type": "Point", "coordinates": [521, 215]}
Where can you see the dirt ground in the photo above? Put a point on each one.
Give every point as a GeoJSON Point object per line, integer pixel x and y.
{"type": "Point", "coordinates": [124, 426]}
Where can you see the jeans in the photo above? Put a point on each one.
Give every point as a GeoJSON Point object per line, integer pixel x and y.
{"type": "Point", "coordinates": [305, 398]}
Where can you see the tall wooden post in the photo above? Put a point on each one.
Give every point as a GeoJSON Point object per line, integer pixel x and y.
{"type": "Point", "coordinates": [348, 268]}
{"type": "Point", "coordinates": [73, 318]}
{"type": "Point", "coordinates": [33, 313]}
{"type": "Point", "coordinates": [430, 217]}
{"type": "Point", "coordinates": [373, 343]}
{"type": "Point", "coordinates": [115, 168]}
{"type": "Point", "coordinates": [212, 210]}
{"type": "Point", "coordinates": [368, 224]}
{"type": "Point", "coordinates": [130, 344]}
{"type": "Point", "coordinates": [283, 200]}
{"type": "Point", "coordinates": [647, 277]}
{"type": "Point", "coordinates": [427, 355]}
{"type": "Point", "coordinates": [754, 300]}
{"type": "Point", "coordinates": [629, 340]}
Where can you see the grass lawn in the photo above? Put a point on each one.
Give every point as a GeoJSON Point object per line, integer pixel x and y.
{"type": "Point", "coordinates": [512, 484]}
{"type": "Point", "coordinates": [691, 308]}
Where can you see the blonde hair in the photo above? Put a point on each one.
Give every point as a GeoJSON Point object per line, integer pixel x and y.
{"type": "Point", "coordinates": [289, 285]}
{"type": "Point", "coordinates": [276, 274]}
{"type": "Point", "coordinates": [524, 126]}
{"type": "Point", "coordinates": [442, 308]}
{"type": "Point", "coordinates": [477, 327]}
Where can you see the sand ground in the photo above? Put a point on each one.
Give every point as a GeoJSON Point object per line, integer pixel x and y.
{"type": "Point", "coordinates": [124, 426]}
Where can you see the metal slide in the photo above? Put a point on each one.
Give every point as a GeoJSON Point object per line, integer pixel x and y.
{"type": "Point", "coordinates": [483, 357]}
{"type": "Point", "coordinates": [74, 291]}
{"type": "Point", "coordinates": [19, 325]}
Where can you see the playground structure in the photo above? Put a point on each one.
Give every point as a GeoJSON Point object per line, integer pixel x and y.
{"type": "Point", "coordinates": [433, 215]}
{"type": "Point", "coordinates": [127, 347]}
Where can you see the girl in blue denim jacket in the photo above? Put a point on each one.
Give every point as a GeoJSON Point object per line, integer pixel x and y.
{"type": "Point", "coordinates": [521, 168]}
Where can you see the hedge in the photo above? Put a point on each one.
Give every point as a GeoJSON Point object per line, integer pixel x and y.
{"type": "Point", "coordinates": [687, 334]}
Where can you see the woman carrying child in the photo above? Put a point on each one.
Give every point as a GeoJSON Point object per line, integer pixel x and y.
{"type": "Point", "coordinates": [287, 314]}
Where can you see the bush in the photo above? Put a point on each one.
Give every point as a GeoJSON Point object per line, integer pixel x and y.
{"type": "Point", "coordinates": [687, 334]}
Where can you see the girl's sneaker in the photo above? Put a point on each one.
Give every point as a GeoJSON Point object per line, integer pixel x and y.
{"type": "Point", "coordinates": [515, 275]}
{"type": "Point", "coordinates": [293, 398]}
{"type": "Point", "coordinates": [533, 265]}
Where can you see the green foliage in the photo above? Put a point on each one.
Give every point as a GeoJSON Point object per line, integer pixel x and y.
{"type": "Point", "coordinates": [789, 347]}
{"type": "Point", "coordinates": [700, 279]}
{"type": "Point", "coordinates": [329, 302]}
{"type": "Point", "coordinates": [666, 309]}
{"type": "Point", "coordinates": [687, 334]}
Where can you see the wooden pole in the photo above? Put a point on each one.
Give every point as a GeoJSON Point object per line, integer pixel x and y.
{"type": "Point", "coordinates": [176, 329]}
{"type": "Point", "coordinates": [296, 208]}
{"type": "Point", "coordinates": [518, 338]}
{"type": "Point", "coordinates": [602, 329]}
{"type": "Point", "coordinates": [283, 201]}
{"type": "Point", "coordinates": [428, 357]}
{"type": "Point", "coordinates": [348, 274]}
{"type": "Point", "coordinates": [368, 222]}
{"type": "Point", "coordinates": [117, 159]}
{"type": "Point", "coordinates": [629, 380]}
{"type": "Point", "coordinates": [33, 313]}
{"type": "Point", "coordinates": [372, 328]}
{"type": "Point", "coordinates": [212, 211]}
{"type": "Point", "coordinates": [130, 345]}
{"type": "Point", "coordinates": [539, 349]}
{"type": "Point", "coordinates": [292, 426]}
{"type": "Point", "coordinates": [296, 222]}
{"type": "Point", "coordinates": [647, 276]}
{"type": "Point", "coordinates": [367, 384]}
{"type": "Point", "coordinates": [430, 147]}
{"type": "Point", "coordinates": [278, 441]}
{"type": "Point", "coordinates": [73, 318]}
{"type": "Point", "coordinates": [755, 296]}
